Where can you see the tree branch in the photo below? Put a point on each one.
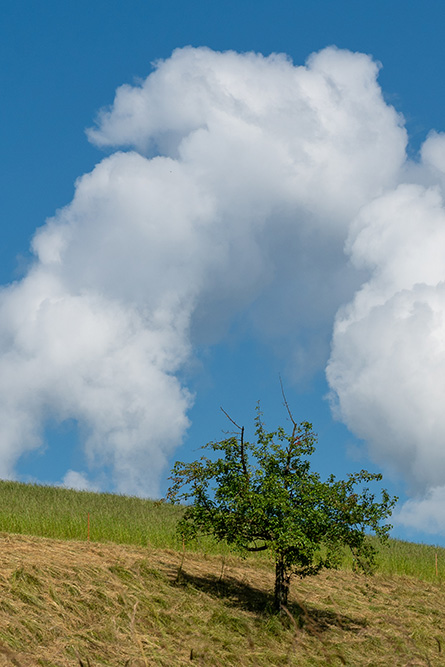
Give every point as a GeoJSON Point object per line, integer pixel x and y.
{"type": "Point", "coordinates": [294, 430]}
{"type": "Point", "coordinates": [263, 548]}
{"type": "Point", "coordinates": [241, 428]}
{"type": "Point", "coordinates": [286, 404]}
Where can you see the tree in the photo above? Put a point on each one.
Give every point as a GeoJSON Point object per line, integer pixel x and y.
{"type": "Point", "coordinates": [263, 496]}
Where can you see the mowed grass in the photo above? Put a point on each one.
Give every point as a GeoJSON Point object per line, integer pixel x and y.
{"type": "Point", "coordinates": [65, 604]}
{"type": "Point", "coordinates": [59, 513]}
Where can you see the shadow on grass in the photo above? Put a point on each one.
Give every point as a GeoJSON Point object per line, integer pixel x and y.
{"type": "Point", "coordinates": [244, 596]}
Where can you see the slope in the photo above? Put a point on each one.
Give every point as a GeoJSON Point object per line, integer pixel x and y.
{"type": "Point", "coordinates": [83, 603]}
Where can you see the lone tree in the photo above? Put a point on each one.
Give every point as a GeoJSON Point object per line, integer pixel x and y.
{"type": "Point", "coordinates": [263, 495]}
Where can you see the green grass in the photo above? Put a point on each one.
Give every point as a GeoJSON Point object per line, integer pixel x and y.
{"type": "Point", "coordinates": [63, 514]}
{"type": "Point", "coordinates": [413, 560]}
{"type": "Point", "coordinates": [60, 513]}
{"type": "Point", "coordinates": [407, 559]}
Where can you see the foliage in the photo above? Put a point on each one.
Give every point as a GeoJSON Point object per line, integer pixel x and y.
{"type": "Point", "coordinates": [264, 495]}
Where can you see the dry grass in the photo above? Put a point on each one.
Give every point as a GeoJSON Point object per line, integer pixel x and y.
{"type": "Point", "coordinates": [71, 603]}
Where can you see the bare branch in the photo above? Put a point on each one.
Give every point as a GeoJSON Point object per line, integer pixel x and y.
{"type": "Point", "coordinates": [241, 428]}
{"type": "Point", "coordinates": [286, 404]}
{"type": "Point", "coordinates": [295, 426]}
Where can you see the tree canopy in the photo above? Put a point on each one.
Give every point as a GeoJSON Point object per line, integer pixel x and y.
{"type": "Point", "coordinates": [263, 495]}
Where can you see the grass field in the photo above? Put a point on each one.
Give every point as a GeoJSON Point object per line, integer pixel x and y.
{"type": "Point", "coordinates": [134, 595]}
{"type": "Point", "coordinates": [63, 514]}
{"type": "Point", "coordinates": [66, 604]}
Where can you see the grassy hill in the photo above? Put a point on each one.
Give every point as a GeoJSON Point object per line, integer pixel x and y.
{"type": "Point", "coordinates": [132, 596]}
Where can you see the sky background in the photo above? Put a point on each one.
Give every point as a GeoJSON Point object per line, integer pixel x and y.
{"type": "Point", "coordinates": [224, 221]}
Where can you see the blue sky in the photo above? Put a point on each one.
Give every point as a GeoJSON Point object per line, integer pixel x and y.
{"type": "Point", "coordinates": [238, 313]}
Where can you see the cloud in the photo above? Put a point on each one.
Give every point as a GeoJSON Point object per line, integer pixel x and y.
{"type": "Point", "coordinates": [387, 365]}
{"type": "Point", "coordinates": [425, 514]}
{"type": "Point", "coordinates": [78, 481]}
{"type": "Point", "coordinates": [96, 360]}
{"type": "Point", "coordinates": [231, 191]}
{"type": "Point", "coordinates": [319, 134]}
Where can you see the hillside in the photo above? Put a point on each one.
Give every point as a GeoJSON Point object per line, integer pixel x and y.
{"type": "Point", "coordinates": [59, 513]}
{"type": "Point", "coordinates": [135, 595]}
{"type": "Point", "coordinates": [70, 603]}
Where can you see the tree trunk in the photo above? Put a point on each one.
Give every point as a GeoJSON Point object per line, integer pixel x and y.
{"type": "Point", "coordinates": [282, 579]}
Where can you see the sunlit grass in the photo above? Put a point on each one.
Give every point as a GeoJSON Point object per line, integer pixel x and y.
{"type": "Point", "coordinates": [66, 603]}
{"type": "Point", "coordinates": [63, 514]}
{"type": "Point", "coordinates": [413, 560]}
{"type": "Point", "coordinates": [60, 513]}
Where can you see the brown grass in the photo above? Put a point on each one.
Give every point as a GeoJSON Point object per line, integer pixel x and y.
{"type": "Point", "coordinates": [72, 603]}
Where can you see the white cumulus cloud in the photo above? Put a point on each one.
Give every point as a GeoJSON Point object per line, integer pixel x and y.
{"type": "Point", "coordinates": [387, 367]}
{"type": "Point", "coordinates": [77, 481]}
{"type": "Point", "coordinates": [425, 514]}
{"type": "Point", "coordinates": [232, 189]}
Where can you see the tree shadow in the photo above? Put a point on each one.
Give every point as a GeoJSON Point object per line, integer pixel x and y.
{"type": "Point", "coordinates": [242, 595]}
